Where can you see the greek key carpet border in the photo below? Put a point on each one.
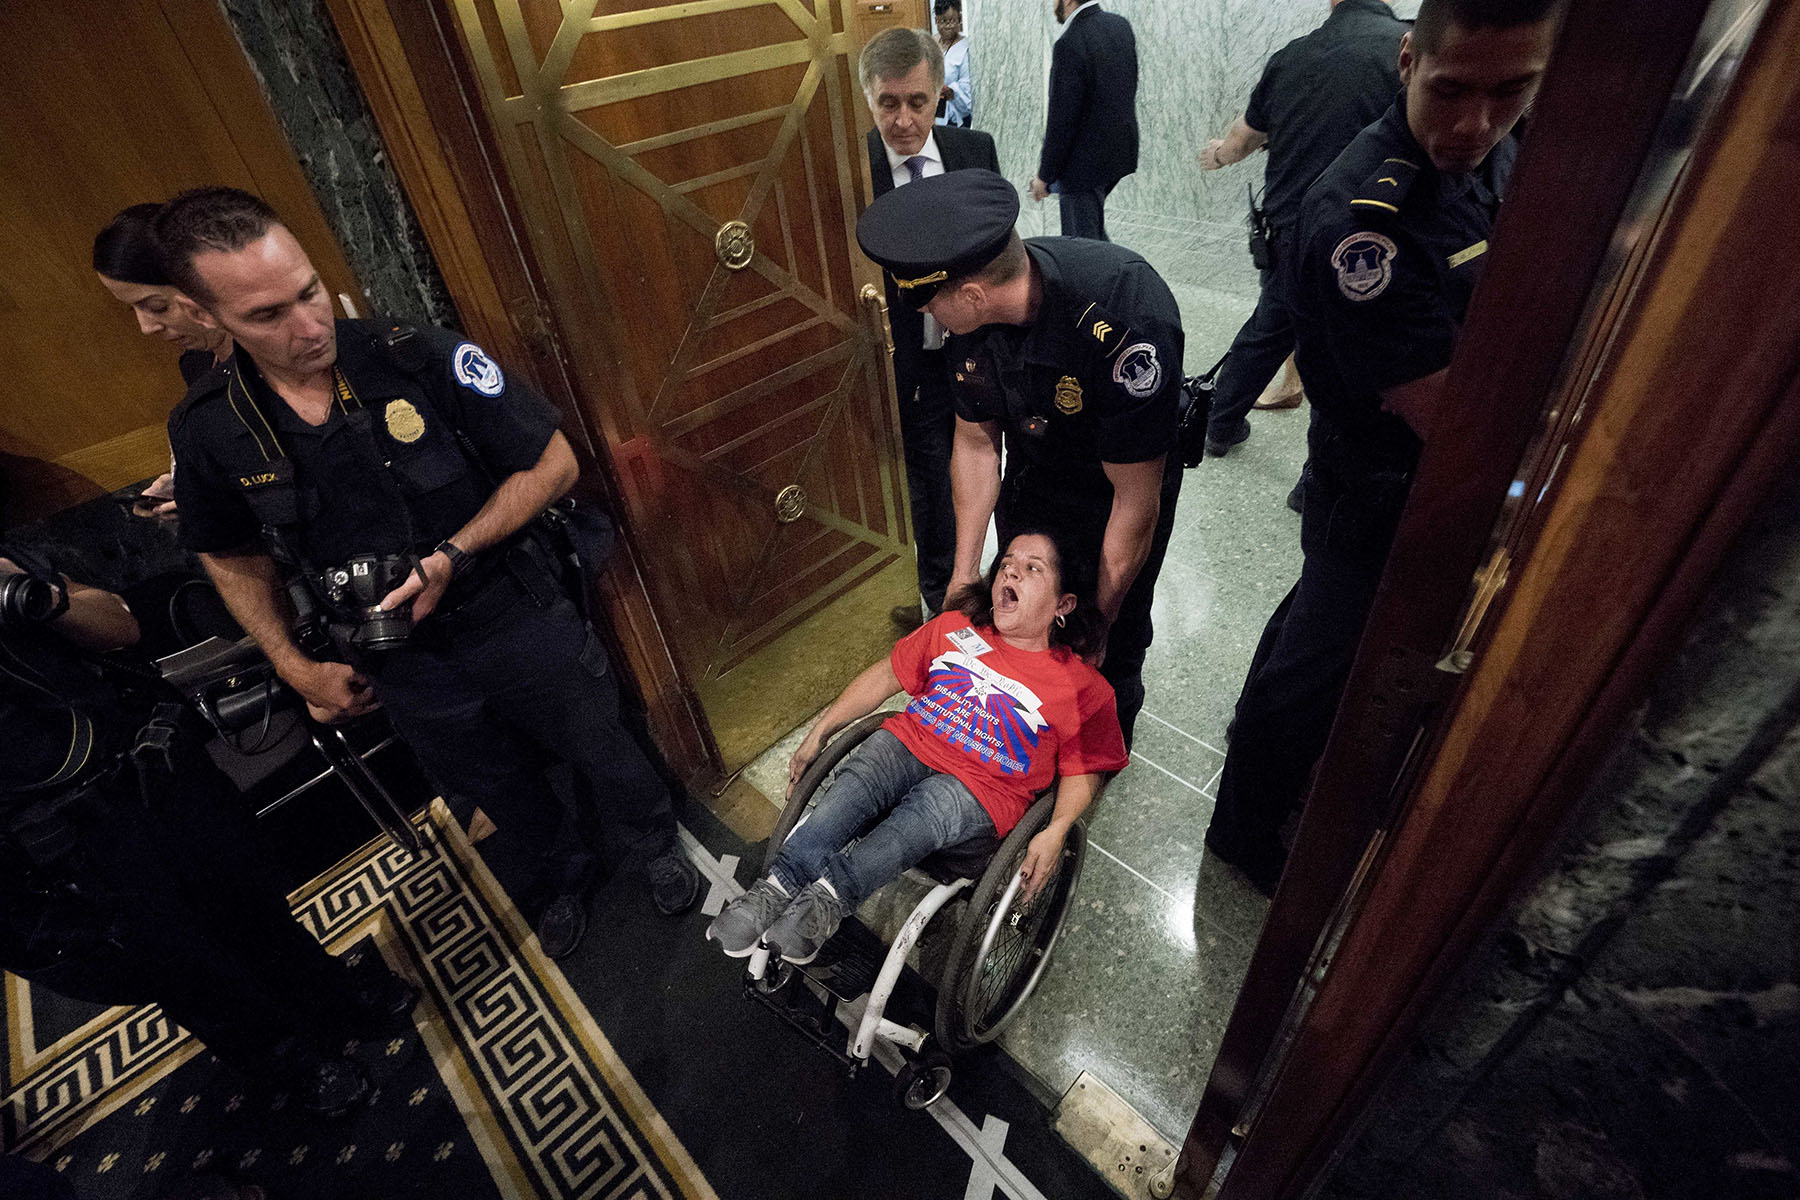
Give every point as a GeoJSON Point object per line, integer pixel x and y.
{"type": "Point", "coordinates": [554, 1109]}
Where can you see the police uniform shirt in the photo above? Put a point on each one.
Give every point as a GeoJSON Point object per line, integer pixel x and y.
{"type": "Point", "coordinates": [385, 473]}
{"type": "Point", "coordinates": [1093, 380]}
{"type": "Point", "coordinates": [1390, 250]}
{"type": "Point", "coordinates": [1318, 92]}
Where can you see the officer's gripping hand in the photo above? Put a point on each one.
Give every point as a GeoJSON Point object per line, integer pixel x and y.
{"type": "Point", "coordinates": [1209, 157]}
{"type": "Point", "coordinates": [1039, 189]}
{"type": "Point", "coordinates": [424, 593]}
{"type": "Point", "coordinates": [335, 692]}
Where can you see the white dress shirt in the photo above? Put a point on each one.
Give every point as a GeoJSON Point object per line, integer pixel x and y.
{"type": "Point", "coordinates": [902, 175]}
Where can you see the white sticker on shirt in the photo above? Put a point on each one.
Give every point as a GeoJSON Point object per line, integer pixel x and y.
{"type": "Point", "coordinates": [969, 642]}
{"type": "Point", "coordinates": [475, 370]}
{"type": "Point", "coordinates": [1364, 263]}
{"type": "Point", "coordinates": [1137, 370]}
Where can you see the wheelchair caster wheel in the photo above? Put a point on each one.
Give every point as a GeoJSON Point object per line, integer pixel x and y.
{"type": "Point", "coordinates": [775, 977]}
{"type": "Point", "coordinates": [923, 1081]}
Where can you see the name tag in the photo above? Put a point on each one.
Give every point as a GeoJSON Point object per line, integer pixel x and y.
{"type": "Point", "coordinates": [969, 642]}
{"type": "Point", "coordinates": [1467, 253]}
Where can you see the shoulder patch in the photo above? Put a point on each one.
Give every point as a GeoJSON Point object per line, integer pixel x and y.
{"type": "Point", "coordinates": [1138, 370]}
{"type": "Point", "coordinates": [476, 371]}
{"type": "Point", "coordinates": [1101, 330]}
{"type": "Point", "coordinates": [1387, 187]}
{"type": "Point", "coordinates": [1364, 263]}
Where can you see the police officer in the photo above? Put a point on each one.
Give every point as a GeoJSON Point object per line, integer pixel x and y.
{"type": "Point", "coordinates": [1316, 93]}
{"type": "Point", "coordinates": [403, 468]}
{"type": "Point", "coordinates": [1069, 351]}
{"type": "Point", "coordinates": [128, 875]}
{"type": "Point", "coordinates": [1391, 242]}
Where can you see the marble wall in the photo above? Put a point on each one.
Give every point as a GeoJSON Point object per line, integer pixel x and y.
{"type": "Point", "coordinates": [1632, 1028]}
{"type": "Point", "coordinates": [1197, 61]}
{"type": "Point", "coordinates": [294, 49]}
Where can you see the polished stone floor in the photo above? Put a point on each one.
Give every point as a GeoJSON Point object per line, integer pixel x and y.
{"type": "Point", "coordinates": [1150, 963]}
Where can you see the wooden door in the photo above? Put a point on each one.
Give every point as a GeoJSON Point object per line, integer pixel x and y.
{"type": "Point", "coordinates": [105, 106]}
{"type": "Point", "coordinates": [688, 176]}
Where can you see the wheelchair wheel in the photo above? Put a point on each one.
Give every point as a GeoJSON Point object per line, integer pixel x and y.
{"type": "Point", "coordinates": [923, 1081]}
{"type": "Point", "coordinates": [1002, 946]}
{"type": "Point", "coordinates": [836, 750]}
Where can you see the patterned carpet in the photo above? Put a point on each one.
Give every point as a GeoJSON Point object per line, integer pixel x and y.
{"type": "Point", "coordinates": [505, 1087]}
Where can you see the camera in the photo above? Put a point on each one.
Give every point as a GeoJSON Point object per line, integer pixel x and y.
{"type": "Point", "coordinates": [27, 599]}
{"type": "Point", "coordinates": [356, 589]}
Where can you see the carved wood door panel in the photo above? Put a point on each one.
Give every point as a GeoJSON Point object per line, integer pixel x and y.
{"type": "Point", "coordinates": [687, 176]}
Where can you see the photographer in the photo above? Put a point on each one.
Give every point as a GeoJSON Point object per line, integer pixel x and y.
{"type": "Point", "coordinates": [397, 475]}
{"type": "Point", "coordinates": [128, 875]}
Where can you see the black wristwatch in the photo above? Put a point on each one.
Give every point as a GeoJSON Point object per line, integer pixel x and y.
{"type": "Point", "coordinates": [459, 558]}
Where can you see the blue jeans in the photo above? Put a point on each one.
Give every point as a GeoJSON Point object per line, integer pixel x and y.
{"type": "Point", "coordinates": [902, 810]}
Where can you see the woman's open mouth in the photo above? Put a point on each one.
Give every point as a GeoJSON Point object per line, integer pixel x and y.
{"type": "Point", "coordinates": [1009, 596]}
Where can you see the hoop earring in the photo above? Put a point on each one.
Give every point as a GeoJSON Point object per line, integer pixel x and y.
{"type": "Point", "coordinates": [1061, 620]}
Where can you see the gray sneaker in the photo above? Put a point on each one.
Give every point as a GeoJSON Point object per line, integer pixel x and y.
{"type": "Point", "coordinates": [807, 924]}
{"type": "Point", "coordinates": [740, 927]}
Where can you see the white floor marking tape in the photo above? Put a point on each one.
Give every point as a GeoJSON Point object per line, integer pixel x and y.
{"type": "Point", "coordinates": [989, 1166]}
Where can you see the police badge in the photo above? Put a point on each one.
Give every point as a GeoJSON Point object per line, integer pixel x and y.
{"type": "Point", "coordinates": [1068, 395]}
{"type": "Point", "coordinates": [404, 424]}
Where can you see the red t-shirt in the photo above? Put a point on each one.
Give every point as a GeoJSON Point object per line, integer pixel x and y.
{"type": "Point", "coordinates": [1005, 722]}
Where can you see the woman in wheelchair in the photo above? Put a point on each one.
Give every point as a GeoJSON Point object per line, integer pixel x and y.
{"type": "Point", "coordinates": [1002, 705]}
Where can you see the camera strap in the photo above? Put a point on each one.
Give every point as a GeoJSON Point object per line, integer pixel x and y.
{"type": "Point", "coordinates": [153, 752]}
{"type": "Point", "coordinates": [83, 734]}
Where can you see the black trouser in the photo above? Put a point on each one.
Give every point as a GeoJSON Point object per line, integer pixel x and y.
{"type": "Point", "coordinates": [1297, 676]}
{"type": "Point", "coordinates": [927, 429]}
{"type": "Point", "coordinates": [1083, 212]}
{"type": "Point", "coordinates": [1261, 345]}
{"type": "Point", "coordinates": [1083, 521]}
{"type": "Point", "coordinates": [176, 905]}
{"type": "Point", "coordinates": [489, 695]}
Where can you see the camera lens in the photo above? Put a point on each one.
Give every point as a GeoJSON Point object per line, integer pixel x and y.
{"type": "Point", "coordinates": [26, 599]}
{"type": "Point", "coordinates": [383, 630]}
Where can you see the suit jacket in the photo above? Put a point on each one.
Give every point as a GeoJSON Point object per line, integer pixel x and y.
{"type": "Point", "coordinates": [1091, 137]}
{"type": "Point", "coordinates": [961, 149]}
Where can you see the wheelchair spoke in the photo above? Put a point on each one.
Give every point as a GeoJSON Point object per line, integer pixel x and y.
{"type": "Point", "coordinates": [1014, 954]}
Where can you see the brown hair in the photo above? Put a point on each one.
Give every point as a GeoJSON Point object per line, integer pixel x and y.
{"type": "Point", "coordinates": [210, 218]}
{"type": "Point", "coordinates": [1082, 630]}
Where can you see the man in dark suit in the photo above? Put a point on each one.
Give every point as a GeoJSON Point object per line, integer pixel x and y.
{"type": "Point", "coordinates": [1091, 138]}
{"type": "Point", "coordinates": [902, 73]}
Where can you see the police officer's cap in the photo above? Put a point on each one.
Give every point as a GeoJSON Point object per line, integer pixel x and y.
{"type": "Point", "coordinates": [939, 228]}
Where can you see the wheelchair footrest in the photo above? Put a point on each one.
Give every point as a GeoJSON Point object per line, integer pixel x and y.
{"type": "Point", "coordinates": [812, 1015]}
{"type": "Point", "coordinates": [848, 964]}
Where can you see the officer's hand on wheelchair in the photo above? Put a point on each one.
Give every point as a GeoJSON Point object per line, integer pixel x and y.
{"type": "Point", "coordinates": [335, 692]}
{"type": "Point", "coordinates": [424, 593]}
{"type": "Point", "coordinates": [1041, 857]}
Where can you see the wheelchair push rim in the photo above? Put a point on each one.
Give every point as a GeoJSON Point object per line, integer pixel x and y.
{"type": "Point", "coordinates": [1003, 950]}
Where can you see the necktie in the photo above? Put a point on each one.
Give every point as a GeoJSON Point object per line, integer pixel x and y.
{"type": "Point", "coordinates": [916, 164]}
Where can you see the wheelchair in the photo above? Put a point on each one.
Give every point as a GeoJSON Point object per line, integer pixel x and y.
{"type": "Point", "coordinates": [998, 953]}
